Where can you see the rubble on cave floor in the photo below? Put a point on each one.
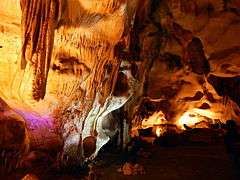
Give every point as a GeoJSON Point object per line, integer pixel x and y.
{"type": "Point", "coordinates": [181, 162]}
{"type": "Point", "coordinates": [191, 160]}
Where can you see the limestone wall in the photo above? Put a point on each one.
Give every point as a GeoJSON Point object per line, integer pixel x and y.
{"type": "Point", "coordinates": [10, 8]}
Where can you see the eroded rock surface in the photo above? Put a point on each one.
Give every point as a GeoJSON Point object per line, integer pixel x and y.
{"type": "Point", "coordinates": [14, 138]}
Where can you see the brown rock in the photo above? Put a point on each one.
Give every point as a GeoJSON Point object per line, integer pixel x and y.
{"type": "Point", "coordinates": [127, 169]}
{"type": "Point", "coordinates": [30, 177]}
{"type": "Point", "coordinates": [168, 92]}
{"type": "Point", "coordinates": [89, 146]}
{"type": "Point", "coordinates": [234, 4]}
{"type": "Point", "coordinates": [121, 87]}
{"type": "Point", "coordinates": [205, 106]}
{"type": "Point", "coordinates": [13, 129]}
{"type": "Point", "coordinates": [226, 86]}
{"type": "Point", "coordinates": [138, 169]}
{"type": "Point", "coordinates": [198, 95]}
{"type": "Point", "coordinates": [196, 57]}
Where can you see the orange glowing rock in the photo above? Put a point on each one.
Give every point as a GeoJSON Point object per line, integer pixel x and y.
{"type": "Point", "coordinates": [155, 119]}
{"type": "Point", "coordinates": [30, 177]}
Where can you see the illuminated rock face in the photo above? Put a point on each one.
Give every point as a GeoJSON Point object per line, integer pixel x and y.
{"type": "Point", "coordinates": [80, 75]}
{"type": "Point", "coordinates": [197, 43]}
{"type": "Point", "coordinates": [85, 55]}
{"type": "Point", "coordinates": [173, 47]}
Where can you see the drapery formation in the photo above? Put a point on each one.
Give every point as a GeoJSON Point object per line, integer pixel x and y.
{"type": "Point", "coordinates": [39, 19]}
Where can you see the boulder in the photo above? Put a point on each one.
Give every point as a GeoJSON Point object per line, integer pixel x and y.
{"type": "Point", "coordinates": [13, 129]}
{"type": "Point", "coordinates": [14, 141]}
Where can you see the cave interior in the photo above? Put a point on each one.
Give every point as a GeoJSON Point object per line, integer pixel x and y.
{"type": "Point", "coordinates": [119, 89]}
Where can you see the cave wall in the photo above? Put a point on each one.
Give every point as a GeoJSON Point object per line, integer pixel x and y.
{"type": "Point", "coordinates": [11, 8]}
{"type": "Point", "coordinates": [83, 71]}
{"type": "Point", "coordinates": [193, 39]}
{"type": "Point", "coordinates": [159, 50]}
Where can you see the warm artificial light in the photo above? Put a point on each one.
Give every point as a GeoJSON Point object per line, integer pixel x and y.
{"type": "Point", "coordinates": [156, 119]}
{"type": "Point", "coordinates": [194, 116]}
{"type": "Point", "coordinates": [158, 131]}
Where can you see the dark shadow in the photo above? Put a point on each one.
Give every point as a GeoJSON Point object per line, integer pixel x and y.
{"type": "Point", "coordinates": [230, 140]}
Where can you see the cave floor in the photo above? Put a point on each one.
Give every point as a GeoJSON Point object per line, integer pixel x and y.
{"type": "Point", "coordinates": [192, 162]}
{"type": "Point", "coordinates": [188, 162]}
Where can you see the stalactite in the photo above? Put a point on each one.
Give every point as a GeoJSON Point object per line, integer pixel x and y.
{"type": "Point", "coordinates": [39, 19]}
